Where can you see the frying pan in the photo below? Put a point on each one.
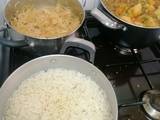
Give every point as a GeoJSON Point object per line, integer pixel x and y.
{"type": "Point", "coordinates": [57, 61]}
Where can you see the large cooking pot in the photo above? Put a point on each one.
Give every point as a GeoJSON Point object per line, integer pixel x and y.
{"type": "Point", "coordinates": [133, 36]}
{"type": "Point", "coordinates": [13, 6]}
{"type": "Point", "coordinates": [57, 61]}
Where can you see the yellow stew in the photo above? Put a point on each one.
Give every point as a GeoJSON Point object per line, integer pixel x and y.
{"type": "Point", "coordinates": [145, 13]}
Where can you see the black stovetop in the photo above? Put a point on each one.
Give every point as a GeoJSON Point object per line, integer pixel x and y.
{"type": "Point", "coordinates": [130, 75]}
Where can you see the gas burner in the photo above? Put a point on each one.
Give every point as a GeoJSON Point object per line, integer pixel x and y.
{"type": "Point", "coordinates": [152, 104]}
{"type": "Point", "coordinates": [125, 51]}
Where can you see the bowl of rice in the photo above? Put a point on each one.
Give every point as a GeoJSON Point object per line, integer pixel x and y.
{"type": "Point", "coordinates": [57, 87]}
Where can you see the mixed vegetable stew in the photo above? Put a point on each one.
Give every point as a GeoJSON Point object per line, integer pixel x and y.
{"type": "Point", "coordinates": [145, 13]}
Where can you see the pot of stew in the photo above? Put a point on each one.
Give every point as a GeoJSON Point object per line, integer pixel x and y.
{"type": "Point", "coordinates": [139, 20]}
{"type": "Point", "coordinates": [42, 22]}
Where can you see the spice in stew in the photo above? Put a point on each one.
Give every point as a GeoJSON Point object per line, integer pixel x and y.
{"type": "Point", "coordinates": [145, 13]}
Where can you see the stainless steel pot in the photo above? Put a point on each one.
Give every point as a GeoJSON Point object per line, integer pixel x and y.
{"type": "Point", "coordinates": [16, 5]}
{"type": "Point", "coordinates": [57, 61]}
{"type": "Point", "coordinates": [132, 36]}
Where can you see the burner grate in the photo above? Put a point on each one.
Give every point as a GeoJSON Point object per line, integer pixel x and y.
{"type": "Point", "coordinates": [135, 60]}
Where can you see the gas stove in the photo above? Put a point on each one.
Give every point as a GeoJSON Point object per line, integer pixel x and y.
{"type": "Point", "coordinates": [131, 72]}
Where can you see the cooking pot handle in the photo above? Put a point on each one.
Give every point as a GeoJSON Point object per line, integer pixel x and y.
{"type": "Point", "coordinates": [79, 46]}
{"type": "Point", "coordinates": [105, 20]}
{"type": "Point", "coordinates": [9, 42]}
{"type": "Point", "coordinates": [139, 103]}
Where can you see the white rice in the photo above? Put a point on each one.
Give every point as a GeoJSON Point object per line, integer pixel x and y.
{"type": "Point", "coordinates": [58, 94]}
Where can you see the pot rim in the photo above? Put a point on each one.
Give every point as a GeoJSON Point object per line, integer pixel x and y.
{"type": "Point", "coordinates": [45, 38]}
